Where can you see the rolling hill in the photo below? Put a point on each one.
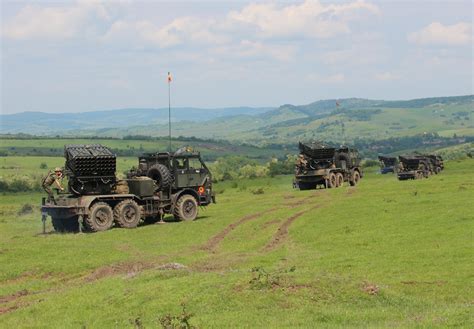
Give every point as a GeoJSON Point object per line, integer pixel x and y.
{"type": "Point", "coordinates": [41, 123]}
{"type": "Point", "coordinates": [353, 118]}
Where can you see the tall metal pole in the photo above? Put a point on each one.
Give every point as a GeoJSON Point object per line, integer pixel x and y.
{"type": "Point", "coordinates": [169, 110]}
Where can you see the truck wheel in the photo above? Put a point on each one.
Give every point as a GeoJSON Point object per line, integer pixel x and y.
{"type": "Point", "coordinates": [437, 170]}
{"type": "Point", "coordinates": [127, 214]}
{"type": "Point", "coordinates": [161, 175]}
{"type": "Point", "coordinates": [186, 209]}
{"type": "Point", "coordinates": [332, 182]}
{"type": "Point", "coordinates": [355, 178]}
{"type": "Point", "coordinates": [340, 180]}
{"type": "Point", "coordinates": [100, 217]}
{"type": "Point", "coordinates": [65, 224]}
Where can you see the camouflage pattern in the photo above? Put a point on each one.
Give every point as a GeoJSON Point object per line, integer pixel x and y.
{"type": "Point", "coordinates": [321, 165]}
{"type": "Point", "coordinates": [164, 183]}
{"type": "Point", "coordinates": [413, 167]}
{"type": "Point", "coordinates": [50, 179]}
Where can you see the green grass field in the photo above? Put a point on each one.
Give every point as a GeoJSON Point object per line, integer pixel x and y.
{"type": "Point", "coordinates": [382, 254]}
{"type": "Point", "coordinates": [208, 150]}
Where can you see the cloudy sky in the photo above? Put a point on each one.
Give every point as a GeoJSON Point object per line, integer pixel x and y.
{"type": "Point", "coordinates": [74, 56]}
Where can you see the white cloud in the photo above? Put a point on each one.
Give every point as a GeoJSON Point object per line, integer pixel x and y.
{"type": "Point", "coordinates": [439, 34]}
{"type": "Point", "coordinates": [55, 22]}
{"type": "Point", "coordinates": [255, 49]}
{"type": "Point", "coordinates": [308, 19]}
{"type": "Point", "coordinates": [179, 31]}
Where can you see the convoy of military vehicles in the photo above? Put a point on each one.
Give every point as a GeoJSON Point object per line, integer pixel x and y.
{"type": "Point", "coordinates": [178, 183]}
{"type": "Point", "coordinates": [419, 166]}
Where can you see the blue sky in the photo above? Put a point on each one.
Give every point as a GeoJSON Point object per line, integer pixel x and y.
{"type": "Point", "coordinates": [87, 55]}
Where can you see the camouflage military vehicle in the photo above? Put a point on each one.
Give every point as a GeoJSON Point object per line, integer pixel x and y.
{"type": "Point", "coordinates": [436, 163]}
{"type": "Point", "coordinates": [413, 167]}
{"type": "Point", "coordinates": [388, 164]}
{"type": "Point", "coordinates": [164, 183]}
{"type": "Point", "coordinates": [325, 166]}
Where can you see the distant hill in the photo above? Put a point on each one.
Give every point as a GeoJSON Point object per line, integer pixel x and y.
{"type": "Point", "coordinates": [339, 120]}
{"type": "Point", "coordinates": [47, 123]}
{"type": "Point", "coordinates": [352, 118]}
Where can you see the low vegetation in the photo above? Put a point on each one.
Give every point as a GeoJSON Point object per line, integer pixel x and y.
{"type": "Point", "coordinates": [383, 254]}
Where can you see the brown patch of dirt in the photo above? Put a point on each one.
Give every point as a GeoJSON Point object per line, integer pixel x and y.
{"type": "Point", "coordinates": [12, 297]}
{"type": "Point", "coordinates": [370, 288]}
{"type": "Point", "coordinates": [130, 269]}
{"type": "Point", "coordinates": [299, 202]}
{"type": "Point", "coordinates": [282, 231]}
{"type": "Point", "coordinates": [216, 239]}
{"type": "Point", "coordinates": [269, 223]}
{"type": "Point", "coordinates": [4, 310]}
{"type": "Point", "coordinates": [21, 277]}
{"type": "Point", "coordinates": [296, 287]}
{"type": "Point", "coordinates": [305, 200]}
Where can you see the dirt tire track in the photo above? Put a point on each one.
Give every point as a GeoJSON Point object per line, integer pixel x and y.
{"type": "Point", "coordinates": [216, 239]}
{"type": "Point", "coordinates": [12, 297]}
{"type": "Point", "coordinates": [126, 268]}
{"type": "Point", "coordinates": [304, 200]}
{"type": "Point", "coordinates": [282, 232]}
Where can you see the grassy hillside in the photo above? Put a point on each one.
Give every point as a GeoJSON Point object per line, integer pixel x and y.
{"type": "Point", "coordinates": [353, 118]}
{"type": "Point", "coordinates": [210, 150]}
{"type": "Point", "coordinates": [383, 254]}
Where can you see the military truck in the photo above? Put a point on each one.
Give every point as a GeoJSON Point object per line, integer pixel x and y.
{"type": "Point", "coordinates": [321, 165]}
{"type": "Point", "coordinates": [413, 167]}
{"type": "Point", "coordinates": [165, 183]}
{"type": "Point", "coordinates": [436, 163]}
{"type": "Point", "coordinates": [388, 164]}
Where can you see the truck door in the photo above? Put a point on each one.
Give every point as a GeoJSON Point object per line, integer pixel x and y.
{"type": "Point", "coordinates": [196, 172]}
{"type": "Point", "coordinates": [181, 172]}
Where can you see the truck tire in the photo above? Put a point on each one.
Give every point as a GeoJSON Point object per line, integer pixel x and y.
{"type": "Point", "coordinates": [355, 178]}
{"type": "Point", "coordinates": [339, 179]}
{"type": "Point", "coordinates": [186, 209]}
{"type": "Point", "coordinates": [161, 175]}
{"type": "Point", "coordinates": [332, 181]}
{"type": "Point", "coordinates": [437, 170]}
{"type": "Point", "coordinates": [100, 218]}
{"type": "Point", "coordinates": [65, 225]}
{"type": "Point", "coordinates": [127, 214]}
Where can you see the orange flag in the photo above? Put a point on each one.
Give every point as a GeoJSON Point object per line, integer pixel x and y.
{"type": "Point", "coordinates": [169, 77]}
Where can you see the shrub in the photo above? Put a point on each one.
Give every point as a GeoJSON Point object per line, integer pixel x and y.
{"type": "Point", "coordinates": [262, 279]}
{"type": "Point", "coordinates": [181, 321]}
{"type": "Point", "coordinates": [26, 209]}
{"type": "Point", "coordinates": [257, 191]}
{"type": "Point", "coordinates": [43, 165]}
{"type": "Point", "coordinates": [19, 185]}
